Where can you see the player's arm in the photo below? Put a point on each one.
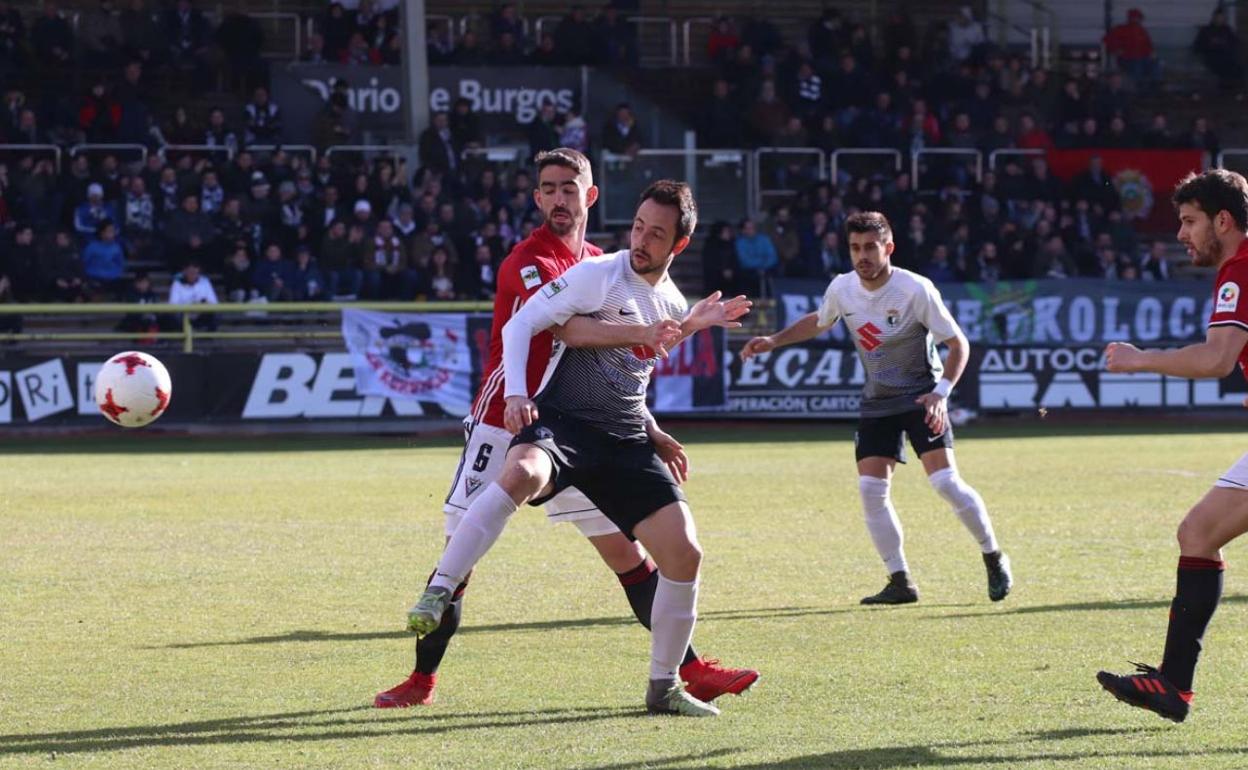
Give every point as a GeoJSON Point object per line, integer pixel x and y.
{"type": "Point", "coordinates": [713, 310]}
{"type": "Point", "coordinates": [580, 290]}
{"type": "Point", "coordinates": [940, 322]}
{"type": "Point", "coordinates": [1215, 357]}
{"type": "Point", "coordinates": [670, 451]}
{"type": "Point", "coordinates": [586, 332]}
{"type": "Point", "coordinates": [805, 328]}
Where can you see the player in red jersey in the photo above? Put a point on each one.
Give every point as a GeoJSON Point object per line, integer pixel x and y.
{"type": "Point", "coordinates": [1213, 225]}
{"type": "Point", "coordinates": [565, 193]}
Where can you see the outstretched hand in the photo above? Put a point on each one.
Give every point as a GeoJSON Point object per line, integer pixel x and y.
{"type": "Point", "coordinates": [712, 311]}
{"type": "Point", "coordinates": [662, 336]}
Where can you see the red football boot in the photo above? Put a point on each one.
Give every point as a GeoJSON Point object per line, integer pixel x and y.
{"type": "Point", "coordinates": [706, 680]}
{"type": "Point", "coordinates": [416, 690]}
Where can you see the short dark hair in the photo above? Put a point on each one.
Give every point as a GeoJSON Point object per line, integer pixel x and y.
{"type": "Point", "coordinates": [1215, 190]}
{"type": "Point", "coordinates": [565, 157]}
{"type": "Point", "coordinates": [870, 222]}
{"type": "Point", "coordinates": [669, 192]}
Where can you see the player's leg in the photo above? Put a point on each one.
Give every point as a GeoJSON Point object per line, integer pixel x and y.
{"type": "Point", "coordinates": [878, 448]}
{"type": "Point", "coordinates": [1219, 517]}
{"type": "Point", "coordinates": [526, 474]}
{"type": "Point", "coordinates": [936, 454]}
{"type": "Point", "coordinates": [671, 538]}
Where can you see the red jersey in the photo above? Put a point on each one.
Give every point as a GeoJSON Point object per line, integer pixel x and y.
{"type": "Point", "coordinates": [1229, 306]}
{"type": "Point", "coordinates": [533, 262]}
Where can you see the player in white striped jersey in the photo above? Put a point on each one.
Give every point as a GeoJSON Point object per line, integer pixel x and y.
{"type": "Point", "coordinates": [896, 318]}
{"type": "Point", "coordinates": [587, 429]}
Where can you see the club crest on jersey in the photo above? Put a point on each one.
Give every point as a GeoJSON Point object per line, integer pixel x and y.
{"type": "Point", "coordinates": [554, 287]}
{"type": "Point", "coordinates": [532, 279]}
{"type": "Point", "coordinates": [471, 484]}
{"type": "Point", "coordinates": [1228, 298]}
{"type": "Point", "coordinates": [892, 317]}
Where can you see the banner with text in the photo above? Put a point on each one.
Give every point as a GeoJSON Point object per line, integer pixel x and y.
{"type": "Point", "coordinates": [502, 98]}
{"type": "Point", "coordinates": [693, 378]}
{"type": "Point", "coordinates": [1076, 311]}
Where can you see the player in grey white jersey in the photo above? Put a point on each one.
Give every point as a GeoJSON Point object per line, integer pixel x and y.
{"type": "Point", "coordinates": [590, 431]}
{"type": "Point", "coordinates": [896, 318]}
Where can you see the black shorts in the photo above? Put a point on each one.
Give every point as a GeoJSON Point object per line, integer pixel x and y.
{"type": "Point", "coordinates": [886, 436]}
{"type": "Point", "coordinates": [626, 480]}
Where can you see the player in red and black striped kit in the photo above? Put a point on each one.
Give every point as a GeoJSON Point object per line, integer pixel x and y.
{"type": "Point", "coordinates": [565, 193]}
{"type": "Point", "coordinates": [1213, 217]}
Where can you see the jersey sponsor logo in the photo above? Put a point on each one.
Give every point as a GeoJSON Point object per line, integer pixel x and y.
{"type": "Point", "coordinates": [471, 484]}
{"type": "Point", "coordinates": [1228, 298]}
{"type": "Point", "coordinates": [868, 336]}
{"type": "Point", "coordinates": [531, 277]}
{"type": "Point", "coordinates": [643, 352]}
{"type": "Point", "coordinates": [554, 287]}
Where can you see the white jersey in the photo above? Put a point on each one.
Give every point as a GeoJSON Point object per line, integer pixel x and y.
{"type": "Point", "coordinates": [895, 329]}
{"type": "Point", "coordinates": [604, 387]}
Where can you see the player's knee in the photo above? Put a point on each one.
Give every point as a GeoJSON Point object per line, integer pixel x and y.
{"type": "Point", "coordinates": [874, 492]}
{"type": "Point", "coordinates": [689, 561]}
{"type": "Point", "coordinates": [525, 477]}
{"type": "Point", "coordinates": [1192, 535]}
{"type": "Point", "coordinates": [947, 483]}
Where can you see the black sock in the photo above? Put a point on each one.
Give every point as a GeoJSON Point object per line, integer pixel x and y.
{"type": "Point", "coordinates": [1196, 596]}
{"type": "Point", "coordinates": [639, 584]}
{"type": "Point", "coordinates": [432, 646]}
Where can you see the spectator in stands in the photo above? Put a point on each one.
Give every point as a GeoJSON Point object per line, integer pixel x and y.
{"type": "Point", "coordinates": [967, 39]}
{"type": "Point", "coordinates": [20, 265]}
{"type": "Point", "coordinates": [52, 38]}
{"type": "Point", "coordinates": [139, 216]}
{"type": "Point", "coordinates": [335, 124]}
{"type": "Point", "coordinates": [337, 26]}
{"type": "Point", "coordinates": [1202, 137]}
{"type": "Point", "coordinates": [621, 135]}
{"type": "Point", "coordinates": [722, 42]}
{"type": "Point", "coordinates": [545, 54]}
{"type": "Point", "coordinates": [314, 51]}
{"type": "Point", "coordinates": [141, 35]}
{"type": "Point", "coordinates": [1158, 135]}
{"type": "Point", "coordinates": [101, 36]}
{"type": "Point", "coordinates": [437, 150]}
{"type": "Point", "coordinates": [574, 38]}
{"type": "Point", "coordinates": [189, 233]}
{"type": "Point", "coordinates": [441, 275]}
{"type": "Point", "coordinates": [781, 230]}
{"type": "Point", "coordinates": [616, 39]}
{"type": "Point", "coordinates": [192, 287]}
{"type": "Point", "coordinates": [757, 259]}
{"type": "Point", "coordinates": [1217, 45]}
{"type": "Point", "coordinates": [271, 276]}
{"type": "Point", "coordinates": [719, 260]}
{"type": "Point", "coordinates": [218, 133]}
{"type": "Point", "coordinates": [827, 37]}
{"type": "Point", "coordinates": [12, 39]}
{"type": "Point", "coordinates": [850, 90]}
{"type": "Point", "coordinates": [483, 278]}
{"type": "Point", "coordinates": [99, 114]}
{"type": "Point", "coordinates": [262, 119]}
{"type": "Point", "coordinates": [1154, 266]}
{"type": "Point", "coordinates": [187, 34]}
{"type": "Point", "coordinates": [61, 273]}
{"type": "Point", "coordinates": [1132, 47]}
{"type": "Point", "coordinates": [104, 260]}
{"type": "Point", "coordinates": [139, 292]}
{"type": "Point", "coordinates": [807, 92]}
{"type": "Point", "coordinates": [89, 215]}
{"type": "Point", "coordinates": [41, 195]}
{"type": "Point", "coordinates": [574, 131]}
{"type": "Point", "coordinates": [339, 261]}
{"type": "Point", "coordinates": [387, 271]}
{"type": "Point", "coordinates": [543, 131]}
{"type": "Point", "coordinates": [938, 268]}
{"type": "Point", "coordinates": [721, 124]}
{"type": "Point", "coordinates": [359, 53]}
{"type": "Point", "coordinates": [506, 52]}
{"type": "Point", "coordinates": [306, 281]}
{"type": "Point", "coordinates": [236, 281]}
{"type": "Point", "coordinates": [767, 115]}
{"type": "Point", "coordinates": [27, 130]}
{"type": "Point", "coordinates": [259, 208]}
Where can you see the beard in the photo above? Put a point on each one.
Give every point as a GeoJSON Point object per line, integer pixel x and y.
{"type": "Point", "coordinates": [1207, 254]}
{"type": "Point", "coordinates": [648, 267]}
{"type": "Point", "coordinates": [564, 226]}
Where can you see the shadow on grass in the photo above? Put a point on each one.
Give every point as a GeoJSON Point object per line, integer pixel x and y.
{"type": "Point", "coordinates": [1124, 604]}
{"type": "Point", "coordinates": [959, 754]}
{"type": "Point", "coordinates": [299, 726]}
{"type": "Point", "coordinates": [541, 625]}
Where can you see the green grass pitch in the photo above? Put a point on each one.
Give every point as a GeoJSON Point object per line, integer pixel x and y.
{"type": "Point", "coordinates": [186, 602]}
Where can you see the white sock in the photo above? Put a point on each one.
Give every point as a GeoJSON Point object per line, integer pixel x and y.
{"type": "Point", "coordinates": [477, 531]}
{"type": "Point", "coordinates": [882, 522]}
{"type": "Point", "coordinates": [672, 615]}
{"type": "Point", "coordinates": [967, 504]}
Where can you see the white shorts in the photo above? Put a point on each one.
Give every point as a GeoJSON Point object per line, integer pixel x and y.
{"type": "Point", "coordinates": [1236, 477]}
{"type": "Point", "coordinates": [485, 449]}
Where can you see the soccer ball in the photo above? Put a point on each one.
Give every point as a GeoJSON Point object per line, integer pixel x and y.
{"type": "Point", "coordinates": [132, 389]}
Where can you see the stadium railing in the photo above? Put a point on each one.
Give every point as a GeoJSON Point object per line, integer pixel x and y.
{"type": "Point", "coordinates": [834, 162]}
{"type": "Point", "coordinates": [198, 149]}
{"type": "Point", "coordinates": [292, 315]}
{"type": "Point", "coordinates": [721, 180]}
{"type": "Point", "coordinates": [115, 149]}
{"type": "Point", "coordinates": [770, 166]}
{"type": "Point", "coordinates": [966, 152]}
{"type": "Point", "coordinates": [992, 156]}
{"type": "Point", "coordinates": [275, 19]}
{"type": "Point", "coordinates": [30, 149]}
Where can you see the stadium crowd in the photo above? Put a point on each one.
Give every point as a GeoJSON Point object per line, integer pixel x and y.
{"type": "Point", "coordinates": [271, 225]}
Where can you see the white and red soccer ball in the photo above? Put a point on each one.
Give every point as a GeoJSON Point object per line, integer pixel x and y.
{"type": "Point", "coordinates": [132, 389]}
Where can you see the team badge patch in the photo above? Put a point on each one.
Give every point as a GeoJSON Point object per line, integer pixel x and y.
{"type": "Point", "coordinates": [893, 317]}
{"type": "Point", "coordinates": [532, 279]}
{"type": "Point", "coordinates": [471, 484]}
{"type": "Point", "coordinates": [1228, 298]}
{"type": "Point", "coordinates": [554, 287]}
